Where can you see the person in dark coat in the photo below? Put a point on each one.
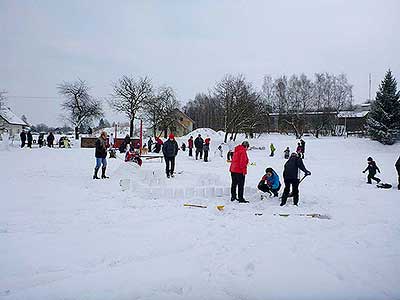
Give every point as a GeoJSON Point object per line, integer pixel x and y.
{"type": "Point", "coordinates": [286, 152]}
{"type": "Point", "coordinates": [170, 150]}
{"type": "Point", "coordinates": [372, 168]}
{"type": "Point", "coordinates": [41, 140]}
{"type": "Point", "coordinates": [303, 147]}
{"type": "Point", "coordinates": [183, 147]}
{"type": "Point", "coordinates": [22, 135]}
{"type": "Point", "coordinates": [29, 138]}
{"type": "Point", "coordinates": [290, 177]}
{"type": "Point", "coordinates": [158, 146]}
{"type": "Point", "coordinates": [101, 155]}
{"type": "Point", "coordinates": [190, 146]}
{"type": "Point", "coordinates": [270, 183]}
{"type": "Point", "coordinates": [398, 172]}
{"type": "Point", "coordinates": [50, 139]}
{"type": "Point", "coordinates": [149, 144]}
{"type": "Point", "coordinates": [238, 171]}
{"type": "Point", "coordinates": [206, 148]}
{"type": "Point", "coordinates": [199, 143]}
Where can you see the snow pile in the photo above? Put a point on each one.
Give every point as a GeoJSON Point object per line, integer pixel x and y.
{"type": "Point", "coordinates": [66, 236]}
{"type": "Point", "coordinates": [205, 132]}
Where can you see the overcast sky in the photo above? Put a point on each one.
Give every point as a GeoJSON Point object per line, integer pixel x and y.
{"type": "Point", "coordinates": [188, 45]}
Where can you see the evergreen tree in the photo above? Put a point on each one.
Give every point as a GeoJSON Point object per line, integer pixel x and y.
{"type": "Point", "coordinates": [383, 121]}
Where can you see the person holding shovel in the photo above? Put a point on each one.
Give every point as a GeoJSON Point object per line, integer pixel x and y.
{"type": "Point", "coordinates": [290, 177]}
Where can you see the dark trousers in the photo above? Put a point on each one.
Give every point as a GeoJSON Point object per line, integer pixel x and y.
{"type": "Point", "coordinates": [372, 176]}
{"type": "Point", "coordinates": [199, 151]}
{"type": "Point", "coordinates": [205, 155]}
{"type": "Point", "coordinates": [237, 181]}
{"type": "Point", "coordinates": [29, 144]}
{"type": "Point", "coordinates": [398, 179]}
{"type": "Point", "coordinates": [266, 189]}
{"type": "Point", "coordinates": [190, 151]}
{"type": "Point", "coordinates": [295, 190]}
{"type": "Point", "coordinates": [229, 155]}
{"type": "Point", "coordinates": [169, 165]}
{"type": "Point", "coordinates": [22, 144]}
{"type": "Point", "coordinates": [272, 153]}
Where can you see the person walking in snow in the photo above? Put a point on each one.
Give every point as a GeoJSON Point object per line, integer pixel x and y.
{"type": "Point", "coordinates": [303, 148]}
{"type": "Point", "coordinates": [272, 148]}
{"type": "Point", "coordinates": [198, 144]}
{"type": "Point", "coordinates": [170, 150]}
{"type": "Point", "coordinates": [286, 153]}
{"type": "Point", "coordinates": [238, 171]}
{"type": "Point", "coordinates": [231, 145]}
{"type": "Point", "coordinates": [158, 146]}
{"type": "Point", "coordinates": [398, 172]}
{"type": "Point", "coordinates": [41, 140]}
{"type": "Point", "coordinates": [29, 138]}
{"type": "Point", "coordinates": [299, 150]}
{"type": "Point", "coordinates": [50, 139]}
{"type": "Point", "coordinates": [372, 168]}
{"type": "Point", "coordinates": [190, 146]}
{"type": "Point", "coordinates": [290, 177]}
{"type": "Point", "coordinates": [22, 136]}
{"type": "Point", "coordinates": [270, 183]}
{"type": "Point", "coordinates": [206, 148]}
{"type": "Point", "coordinates": [149, 144]}
{"type": "Point", "coordinates": [101, 156]}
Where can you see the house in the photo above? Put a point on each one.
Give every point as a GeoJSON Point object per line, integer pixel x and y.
{"type": "Point", "coordinates": [182, 124]}
{"type": "Point", "coordinates": [10, 122]}
{"type": "Point", "coordinates": [354, 121]}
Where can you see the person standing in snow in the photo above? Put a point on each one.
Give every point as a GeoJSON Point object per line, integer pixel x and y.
{"type": "Point", "coordinates": [299, 150]}
{"type": "Point", "coordinates": [206, 148]}
{"type": "Point", "coordinates": [41, 140]}
{"type": "Point", "coordinates": [303, 148]}
{"type": "Point", "coordinates": [50, 139]}
{"type": "Point", "coordinates": [372, 168]}
{"type": "Point", "coordinates": [398, 172]}
{"type": "Point", "coordinates": [269, 183]}
{"type": "Point", "coordinates": [23, 138]}
{"type": "Point", "coordinates": [101, 156]}
{"type": "Point", "coordinates": [286, 153]}
{"type": "Point", "coordinates": [231, 145]}
{"type": "Point", "coordinates": [238, 171]}
{"type": "Point", "coordinates": [272, 148]}
{"type": "Point", "coordinates": [149, 143]}
{"type": "Point", "coordinates": [29, 138]}
{"type": "Point", "coordinates": [190, 146]}
{"type": "Point", "coordinates": [290, 177]}
{"type": "Point", "coordinates": [198, 144]}
{"type": "Point", "coordinates": [170, 150]}
{"type": "Point", "coordinates": [111, 140]}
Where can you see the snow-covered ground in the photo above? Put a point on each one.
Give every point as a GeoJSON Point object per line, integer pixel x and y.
{"type": "Point", "coordinates": [66, 236]}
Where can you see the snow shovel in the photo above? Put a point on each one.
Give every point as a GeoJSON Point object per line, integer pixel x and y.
{"type": "Point", "coordinates": [291, 193]}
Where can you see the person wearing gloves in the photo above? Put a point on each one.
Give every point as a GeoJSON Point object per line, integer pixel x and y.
{"type": "Point", "coordinates": [291, 177]}
{"type": "Point", "coordinates": [238, 171]}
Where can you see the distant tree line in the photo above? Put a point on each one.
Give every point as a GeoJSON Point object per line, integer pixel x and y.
{"type": "Point", "coordinates": [234, 105]}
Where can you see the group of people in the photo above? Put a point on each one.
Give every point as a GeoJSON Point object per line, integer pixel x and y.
{"type": "Point", "coordinates": [269, 183]}
{"type": "Point", "coordinates": [27, 139]}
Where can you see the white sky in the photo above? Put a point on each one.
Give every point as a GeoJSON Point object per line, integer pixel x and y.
{"type": "Point", "coordinates": [188, 45]}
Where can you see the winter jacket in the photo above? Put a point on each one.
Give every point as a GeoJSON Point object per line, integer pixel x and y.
{"type": "Point", "coordinates": [272, 182]}
{"type": "Point", "coordinates": [22, 136]}
{"type": "Point", "coordinates": [101, 148]}
{"type": "Point", "coordinates": [170, 148]}
{"type": "Point", "coordinates": [206, 146]}
{"type": "Point", "coordinates": [303, 146]}
{"type": "Point", "coordinates": [398, 163]}
{"type": "Point", "coordinates": [292, 166]}
{"type": "Point", "coordinates": [29, 136]}
{"type": "Point", "coordinates": [190, 143]}
{"type": "Point", "coordinates": [239, 160]}
{"type": "Point", "coordinates": [198, 143]}
{"type": "Point", "coordinates": [372, 168]}
{"type": "Point", "coordinates": [272, 148]}
{"type": "Point", "coordinates": [50, 138]}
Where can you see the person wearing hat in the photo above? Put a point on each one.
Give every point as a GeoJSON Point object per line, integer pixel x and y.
{"type": "Point", "coordinates": [170, 150]}
{"type": "Point", "coordinates": [269, 183]}
{"type": "Point", "coordinates": [372, 168]}
{"type": "Point", "coordinates": [198, 144]}
{"type": "Point", "coordinates": [101, 156]}
{"type": "Point", "coordinates": [206, 148]}
{"type": "Point", "coordinates": [238, 171]}
{"type": "Point", "coordinates": [290, 177]}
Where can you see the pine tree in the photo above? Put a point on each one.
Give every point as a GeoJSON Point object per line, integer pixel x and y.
{"type": "Point", "coordinates": [383, 121]}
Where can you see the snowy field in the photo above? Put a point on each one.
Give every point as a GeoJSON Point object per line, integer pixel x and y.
{"type": "Point", "coordinates": [65, 236]}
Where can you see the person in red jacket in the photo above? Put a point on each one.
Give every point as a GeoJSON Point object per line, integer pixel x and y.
{"type": "Point", "coordinates": [238, 171]}
{"type": "Point", "coordinates": [190, 145]}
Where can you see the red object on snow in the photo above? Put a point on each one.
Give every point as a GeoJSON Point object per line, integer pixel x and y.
{"type": "Point", "coordinates": [239, 160]}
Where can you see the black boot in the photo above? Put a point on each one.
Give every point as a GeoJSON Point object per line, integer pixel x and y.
{"type": "Point", "coordinates": [103, 173]}
{"type": "Point", "coordinates": [95, 173]}
{"type": "Point", "coordinates": [283, 202]}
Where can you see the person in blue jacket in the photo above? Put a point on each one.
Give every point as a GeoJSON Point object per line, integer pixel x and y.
{"type": "Point", "coordinates": [270, 183]}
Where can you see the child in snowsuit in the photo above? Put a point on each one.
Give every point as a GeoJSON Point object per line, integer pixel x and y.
{"type": "Point", "coordinates": [299, 150]}
{"type": "Point", "coordinates": [287, 152]}
{"type": "Point", "coordinates": [269, 183]}
{"type": "Point", "coordinates": [206, 148]}
{"type": "Point", "coordinates": [272, 148]}
{"type": "Point", "coordinates": [372, 168]}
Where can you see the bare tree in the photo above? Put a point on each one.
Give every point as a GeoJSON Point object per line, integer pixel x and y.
{"type": "Point", "coordinates": [79, 105]}
{"type": "Point", "coordinates": [160, 111]}
{"type": "Point", "coordinates": [130, 96]}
